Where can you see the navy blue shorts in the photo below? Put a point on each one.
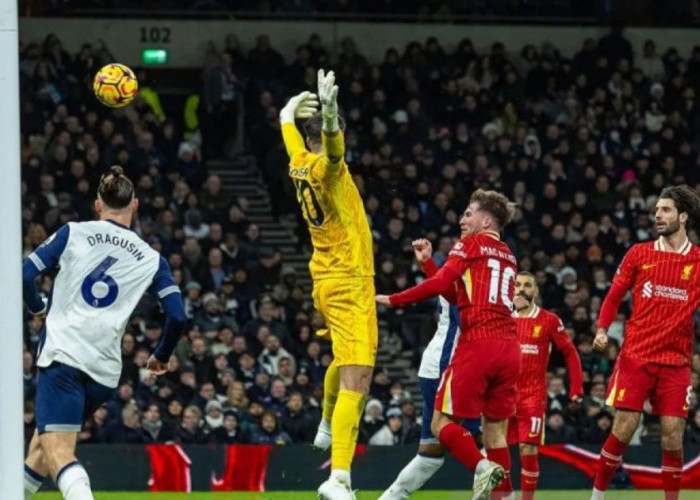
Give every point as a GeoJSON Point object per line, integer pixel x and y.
{"type": "Point", "coordinates": [428, 388]}
{"type": "Point", "coordinates": [65, 396]}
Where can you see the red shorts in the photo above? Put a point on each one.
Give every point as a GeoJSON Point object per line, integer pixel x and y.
{"type": "Point", "coordinates": [481, 379]}
{"type": "Point", "coordinates": [667, 387]}
{"type": "Point", "coordinates": [527, 426]}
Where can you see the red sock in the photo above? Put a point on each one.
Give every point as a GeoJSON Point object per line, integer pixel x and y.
{"type": "Point", "coordinates": [610, 460]}
{"type": "Point", "coordinates": [529, 473]}
{"type": "Point", "coordinates": [461, 445]}
{"type": "Point", "coordinates": [502, 457]}
{"type": "Point", "coordinates": [672, 472]}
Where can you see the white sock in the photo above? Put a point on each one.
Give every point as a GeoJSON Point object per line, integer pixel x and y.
{"type": "Point", "coordinates": [413, 477]}
{"type": "Point", "coordinates": [32, 482]}
{"type": "Point", "coordinates": [325, 426]}
{"type": "Point", "coordinates": [74, 483]}
{"type": "Point", "coordinates": [597, 494]}
{"type": "Point", "coordinates": [341, 475]}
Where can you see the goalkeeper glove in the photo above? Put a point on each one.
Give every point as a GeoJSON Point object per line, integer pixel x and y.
{"type": "Point", "coordinates": [328, 94]}
{"type": "Point", "coordinates": [301, 106]}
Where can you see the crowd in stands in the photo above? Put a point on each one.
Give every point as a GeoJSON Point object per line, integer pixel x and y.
{"type": "Point", "coordinates": [583, 145]}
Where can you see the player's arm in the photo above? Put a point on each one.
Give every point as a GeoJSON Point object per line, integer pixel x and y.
{"type": "Point", "coordinates": [168, 293]}
{"type": "Point", "coordinates": [442, 283]}
{"type": "Point", "coordinates": [423, 250]}
{"type": "Point", "coordinates": [300, 106]}
{"type": "Point", "coordinates": [430, 269]}
{"type": "Point", "coordinates": [331, 135]}
{"type": "Point", "coordinates": [44, 259]}
{"type": "Point", "coordinates": [622, 281]}
{"type": "Point", "coordinates": [573, 362]}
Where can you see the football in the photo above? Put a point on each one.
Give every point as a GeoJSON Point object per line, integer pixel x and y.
{"type": "Point", "coordinates": [115, 85]}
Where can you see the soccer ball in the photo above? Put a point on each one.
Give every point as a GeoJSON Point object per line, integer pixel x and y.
{"type": "Point", "coordinates": [115, 85]}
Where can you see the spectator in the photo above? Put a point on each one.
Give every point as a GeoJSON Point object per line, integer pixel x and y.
{"type": "Point", "coordinates": [214, 414]}
{"type": "Point", "coordinates": [155, 430]}
{"type": "Point", "coordinates": [296, 422]}
{"type": "Point", "coordinates": [193, 430]}
{"type": "Point", "coordinates": [269, 432]}
{"type": "Point", "coordinates": [229, 433]}
{"type": "Point", "coordinates": [558, 431]}
{"type": "Point", "coordinates": [127, 430]}
{"type": "Point", "coordinates": [372, 421]}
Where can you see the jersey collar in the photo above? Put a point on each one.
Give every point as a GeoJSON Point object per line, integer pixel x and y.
{"type": "Point", "coordinates": [660, 246]}
{"type": "Point", "coordinates": [533, 314]}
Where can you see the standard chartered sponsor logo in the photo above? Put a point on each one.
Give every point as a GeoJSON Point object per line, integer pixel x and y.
{"type": "Point", "coordinates": [529, 348]}
{"type": "Point", "coordinates": [650, 290]}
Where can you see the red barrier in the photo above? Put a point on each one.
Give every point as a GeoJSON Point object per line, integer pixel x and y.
{"type": "Point", "coordinates": [170, 468]}
{"type": "Point", "coordinates": [246, 466]}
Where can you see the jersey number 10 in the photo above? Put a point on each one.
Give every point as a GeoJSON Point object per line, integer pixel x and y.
{"type": "Point", "coordinates": [310, 205]}
{"type": "Point", "coordinates": [500, 283]}
{"type": "Point", "coordinates": [99, 289]}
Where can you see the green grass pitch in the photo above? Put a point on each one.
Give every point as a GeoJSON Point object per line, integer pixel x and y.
{"type": "Point", "coordinates": [363, 495]}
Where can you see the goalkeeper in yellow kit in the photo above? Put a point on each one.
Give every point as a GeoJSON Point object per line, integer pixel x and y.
{"type": "Point", "coordinates": [342, 269]}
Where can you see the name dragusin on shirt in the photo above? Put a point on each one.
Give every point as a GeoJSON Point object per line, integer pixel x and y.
{"type": "Point", "coordinates": [107, 239]}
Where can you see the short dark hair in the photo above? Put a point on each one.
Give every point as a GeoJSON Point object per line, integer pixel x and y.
{"type": "Point", "coordinates": [496, 204]}
{"type": "Point", "coordinates": [314, 126]}
{"type": "Point", "coordinates": [116, 190]}
{"type": "Point", "coordinates": [526, 273]}
{"type": "Point", "coordinates": [686, 200]}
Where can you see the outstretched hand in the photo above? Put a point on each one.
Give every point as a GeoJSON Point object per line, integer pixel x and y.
{"type": "Point", "coordinates": [422, 249]}
{"type": "Point", "coordinates": [382, 300]}
{"type": "Point", "coordinates": [328, 95]}
{"type": "Point", "coordinates": [301, 106]}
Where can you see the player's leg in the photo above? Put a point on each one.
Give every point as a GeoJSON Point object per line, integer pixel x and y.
{"type": "Point", "coordinates": [529, 427]}
{"type": "Point", "coordinates": [502, 359]}
{"type": "Point", "coordinates": [670, 399]}
{"type": "Point", "coordinates": [331, 386]}
{"type": "Point", "coordinates": [495, 432]}
{"type": "Point", "coordinates": [672, 429]}
{"type": "Point", "coordinates": [350, 312]}
{"type": "Point", "coordinates": [69, 475]}
{"type": "Point", "coordinates": [529, 471]}
{"type": "Point", "coordinates": [625, 424]}
{"type": "Point", "coordinates": [35, 468]}
{"type": "Point", "coordinates": [629, 387]}
{"type": "Point", "coordinates": [431, 454]}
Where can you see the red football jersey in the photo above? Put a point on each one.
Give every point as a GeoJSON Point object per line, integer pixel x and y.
{"type": "Point", "coordinates": [665, 294]}
{"type": "Point", "coordinates": [478, 276]}
{"type": "Point", "coordinates": [536, 332]}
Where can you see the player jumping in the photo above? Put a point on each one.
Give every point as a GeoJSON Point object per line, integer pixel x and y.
{"type": "Point", "coordinates": [342, 269]}
{"type": "Point", "coordinates": [537, 329]}
{"type": "Point", "coordinates": [104, 269]}
{"type": "Point", "coordinates": [482, 376]}
{"type": "Point", "coordinates": [436, 357]}
{"type": "Point", "coordinates": [654, 362]}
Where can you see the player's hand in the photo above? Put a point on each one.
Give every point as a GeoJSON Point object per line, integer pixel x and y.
{"type": "Point", "coordinates": [301, 106]}
{"type": "Point", "coordinates": [520, 303]}
{"type": "Point", "coordinates": [576, 398]}
{"type": "Point", "coordinates": [601, 340]}
{"type": "Point", "coordinates": [328, 95]}
{"type": "Point", "coordinates": [422, 249]}
{"type": "Point", "coordinates": [155, 367]}
{"type": "Point", "coordinates": [382, 300]}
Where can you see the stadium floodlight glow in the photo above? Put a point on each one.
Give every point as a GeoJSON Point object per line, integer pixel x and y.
{"type": "Point", "coordinates": [152, 57]}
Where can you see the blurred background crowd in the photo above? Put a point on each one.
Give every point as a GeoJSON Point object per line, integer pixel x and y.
{"type": "Point", "coordinates": [583, 145]}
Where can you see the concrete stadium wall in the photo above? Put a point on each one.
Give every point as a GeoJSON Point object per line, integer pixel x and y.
{"type": "Point", "coordinates": [187, 40]}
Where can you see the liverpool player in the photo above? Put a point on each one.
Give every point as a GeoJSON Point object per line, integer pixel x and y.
{"type": "Point", "coordinates": [654, 362]}
{"type": "Point", "coordinates": [537, 329]}
{"type": "Point", "coordinates": [482, 376]}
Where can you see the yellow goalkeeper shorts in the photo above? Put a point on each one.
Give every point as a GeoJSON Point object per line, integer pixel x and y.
{"type": "Point", "coordinates": [347, 305]}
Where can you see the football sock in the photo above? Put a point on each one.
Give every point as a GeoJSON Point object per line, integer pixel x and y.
{"type": "Point", "coordinates": [344, 428]}
{"type": "Point", "coordinates": [610, 459]}
{"type": "Point", "coordinates": [671, 472]}
{"type": "Point", "coordinates": [74, 482]}
{"type": "Point", "coordinates": [529, 473]}
{"type": "Point", "coordinates": [413, 477]}
{"type": "Point", "coordinates": [460, 443]}
{"type": "Point", "coordinates": [501, 456]}
{"type": "Point", "coordinates": [32, 482]}
{"type": "Point", "coordinates": [331, 386]}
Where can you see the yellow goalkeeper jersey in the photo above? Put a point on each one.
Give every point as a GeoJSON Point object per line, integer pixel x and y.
{"type": "Point", "coordinates": [332, 207]}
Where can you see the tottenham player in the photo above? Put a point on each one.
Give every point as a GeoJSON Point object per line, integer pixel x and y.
{"type": "Point", "coordinates": [537, 329]}
{"type": "Point", "coordinates": [654, 362]}
{"type": "Point", "coordinates": [482, 376]}
{"type": "Point", "coordinates": [103, 270]}
{"type": "Point", "coordinates": [436, 357]}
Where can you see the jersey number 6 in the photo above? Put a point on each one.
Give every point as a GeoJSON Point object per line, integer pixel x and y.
{"type": "Point", "coordinates": [307, 198]}
{"type": "Point", "coordinates": [99, 288]}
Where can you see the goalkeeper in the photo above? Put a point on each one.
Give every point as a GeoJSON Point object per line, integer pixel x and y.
{"type": "Point", "coordinates": [342, 269]}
